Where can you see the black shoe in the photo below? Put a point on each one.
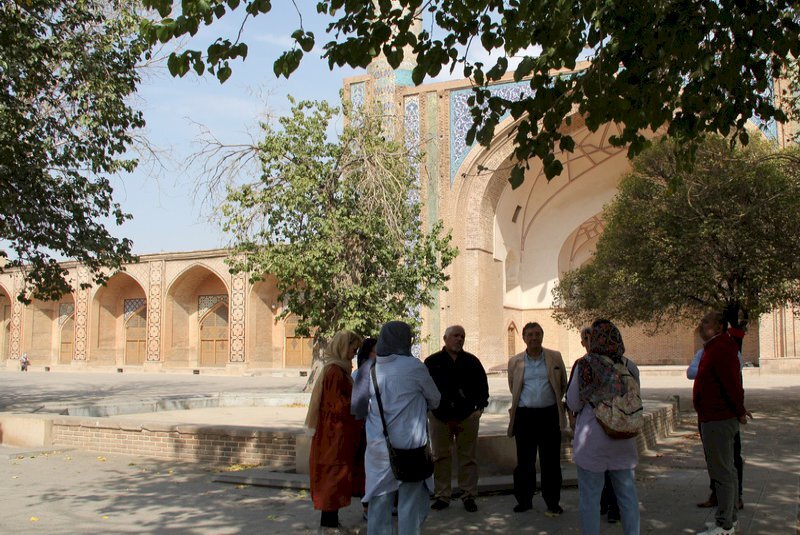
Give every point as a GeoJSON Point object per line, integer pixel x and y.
{"type": "Point", "coordinates": [440, 504]}
{"type": "Point", "coordinates": [521, 508]}
{"type": "Point", "coordinates": [470, 505]}
{"type": "Point", "coordinates": [710, 502]}
{"type": "Point", "coordinates": [553, 512]}
{"type": "Point", "coordinates": [613, 516]}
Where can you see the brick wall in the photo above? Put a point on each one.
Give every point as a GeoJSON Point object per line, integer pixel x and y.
{"type": "Point", "coordinates": [189, 443]}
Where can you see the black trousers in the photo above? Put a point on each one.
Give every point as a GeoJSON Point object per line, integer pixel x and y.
{"type": "Point", "coordinates": [608, 498]}
{"type": "Point", "coordinates": [537, 431]}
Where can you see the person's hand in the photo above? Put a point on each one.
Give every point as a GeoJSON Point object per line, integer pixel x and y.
{"type": "Point", "coordinates": [743, 418]}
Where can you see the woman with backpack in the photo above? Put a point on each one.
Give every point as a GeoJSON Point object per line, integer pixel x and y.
{"type": "Point", "coordinates": [603, 380]}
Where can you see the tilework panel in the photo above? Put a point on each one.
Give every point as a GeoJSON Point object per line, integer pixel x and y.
{"type": "Point", "coordinates": [461, 118]}
{"type": "Point", "coordinates": [411, 139]}
{"type": "Point", "coordinates": [769, 128]}
{"type": "Point", "coordinates": [358, 95]}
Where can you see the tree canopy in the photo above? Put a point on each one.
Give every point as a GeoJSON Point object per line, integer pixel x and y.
{"type": "Point", "coordinates": [337, 223]}
{"type": "Point", "coordinates": [685, 66]}
{"type": "Point", "coordinates": [722, 234]}
{"type": "Point", "coordinates": [67, 71]}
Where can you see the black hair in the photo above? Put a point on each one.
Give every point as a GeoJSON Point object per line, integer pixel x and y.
{"type": "Point", "coordinates": [366, 348]}
{"type": "Point", "coordinates": [531, 325]}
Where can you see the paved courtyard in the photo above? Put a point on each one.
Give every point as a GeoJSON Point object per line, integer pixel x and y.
{"type": "Point", "coordinates": [88, 492]}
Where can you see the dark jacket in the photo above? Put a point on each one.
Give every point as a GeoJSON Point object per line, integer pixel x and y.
{"type": "Point", "coordinates": [462, 383]}
{"type": "Point", "coordinates": [718, 393]}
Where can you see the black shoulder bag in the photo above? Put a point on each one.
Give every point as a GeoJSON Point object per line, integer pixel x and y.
{"type": "Point", "coordinates": [411, 465]}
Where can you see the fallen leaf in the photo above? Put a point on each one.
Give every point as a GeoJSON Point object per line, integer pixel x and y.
{"type": "Point", "coordinates": [104, 517]}
{"type": "Point", "coordinates": [34, 519]}
{"type": "Point", "coordinates": [102, 459]}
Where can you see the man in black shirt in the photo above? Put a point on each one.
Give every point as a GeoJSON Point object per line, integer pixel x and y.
{"type": "Point", "coordinates": [462, 382]}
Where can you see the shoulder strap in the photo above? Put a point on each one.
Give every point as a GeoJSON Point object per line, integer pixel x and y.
{"type": "Point", "coordinates": [380, 403]}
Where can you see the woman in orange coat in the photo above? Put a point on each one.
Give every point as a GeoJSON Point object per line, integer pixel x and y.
{"type": "Point", "coordinates": [337, 432]}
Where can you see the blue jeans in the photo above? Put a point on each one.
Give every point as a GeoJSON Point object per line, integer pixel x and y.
{"type": "Point", "coordinates": [412, 510]}
{"type": "Point", "coordinates": [590, 487]}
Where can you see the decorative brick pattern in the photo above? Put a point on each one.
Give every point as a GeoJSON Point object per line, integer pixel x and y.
{"type": "Point", "coordinates": [16, 319]}
{"type": "Point", "coordinates": [218, 445]}
{"type": "Point", "coordinates": [237, 316]}
{"type": "Point", "coordinates": [155, 292]}
{"type": "Point", "coordinates": [81, 314]}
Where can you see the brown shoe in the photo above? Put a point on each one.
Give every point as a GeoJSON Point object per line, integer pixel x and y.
{"type": "Point", "coordinates": [710, 502]}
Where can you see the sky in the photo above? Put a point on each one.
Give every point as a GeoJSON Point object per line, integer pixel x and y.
{"type": "Point", "coordinates": [164, 194]}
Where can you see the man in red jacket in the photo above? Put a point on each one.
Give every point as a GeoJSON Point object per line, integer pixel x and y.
{"type": "Point", "coordinates": [718, 398]}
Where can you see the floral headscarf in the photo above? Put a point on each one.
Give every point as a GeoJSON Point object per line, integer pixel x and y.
{"type": "Point", "coordinates": [605, 339]}
{"type": "Point", "coordinates": [597, 378]}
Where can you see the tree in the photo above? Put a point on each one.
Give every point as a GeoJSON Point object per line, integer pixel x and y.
{"type": "Point", "coordinates": [67, 72]}
{"type": "Point", "coordinates": [690, 67]}
{"type": "Point", "coordinates": [337, 224]}
{"type": "Point", "coordinates": [721, 234]}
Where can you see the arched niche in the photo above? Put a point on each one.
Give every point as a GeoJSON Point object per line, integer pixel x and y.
{"type": "Point", "coordinates": [512, 336]}
{"type": "Point", "coordinates": [510, 239]}
{"type": "Point", "coordinates": [264, 337]}
{"type": "Point", "coordinates": [45, 325]}
{"type": "Point", "coordinates": [195, 299]}
{"type": "Point", "coordinates": [537, 218]}
{"type": "Point", "coordinates": [112, 307]}
{"type": "Point", "coordinates": [579, 246]}
{"type": "Point", "coordinates": [5, 322]}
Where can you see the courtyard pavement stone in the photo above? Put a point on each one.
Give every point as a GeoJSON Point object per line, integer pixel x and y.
{"type": "Point", "coordinates": [76, 492]}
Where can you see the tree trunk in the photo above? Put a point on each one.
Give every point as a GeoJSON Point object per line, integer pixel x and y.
{"type": "Point", "coordinates": [316, 362]}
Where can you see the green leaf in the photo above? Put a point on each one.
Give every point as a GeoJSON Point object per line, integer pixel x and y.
{"type": "Point", "coordinates": [224, 73]}
{"type": "Point", "coordinates": [517, 176]}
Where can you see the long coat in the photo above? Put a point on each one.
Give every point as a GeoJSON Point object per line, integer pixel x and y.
{"type": "Point", "coordinates": [556, 375]}
{"type": "Point", "coordinates": [333, 448]}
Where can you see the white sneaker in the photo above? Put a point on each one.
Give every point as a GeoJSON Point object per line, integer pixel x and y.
{"type": "Point", "coordinates": [719, 530]}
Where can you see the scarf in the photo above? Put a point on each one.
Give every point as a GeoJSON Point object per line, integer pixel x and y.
{"type": "Point", "coordinates": [597, 378]}
{"type": "Point", "coordinates": [337, 353]}
{"type": "Point", "coordinates": [394, 339]}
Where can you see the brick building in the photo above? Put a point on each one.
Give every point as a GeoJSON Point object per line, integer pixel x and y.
{"type": "Point", "coordinates": [185, 311]}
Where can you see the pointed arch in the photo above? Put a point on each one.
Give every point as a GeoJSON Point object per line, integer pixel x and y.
{"type": "Point", "coordinates": [512, 335]}
{"type": "Point", "coordinates": [111, 307]}
{"type": "Point", "coordinates": [193, 294]}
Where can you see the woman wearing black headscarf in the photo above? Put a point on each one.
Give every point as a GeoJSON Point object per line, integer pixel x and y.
{"type": "Point", "coordinates": [407, 393]}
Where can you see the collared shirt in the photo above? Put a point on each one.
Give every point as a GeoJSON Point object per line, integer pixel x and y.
{"type": "Point", "coordinates": [537, 392]}
{"type": "Point", "coordinates": [691, 371]}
